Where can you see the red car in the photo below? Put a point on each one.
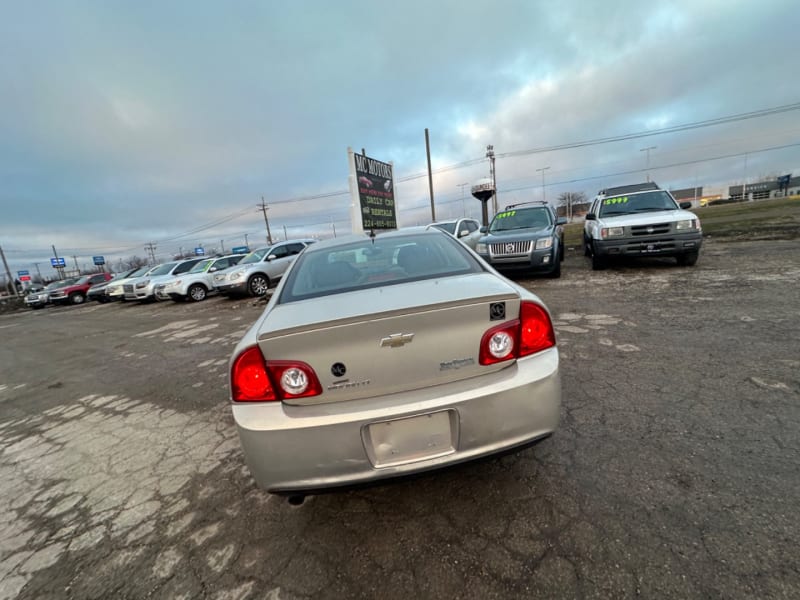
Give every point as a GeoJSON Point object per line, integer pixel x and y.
{"type": "Point", "coordinates": [76, 293]}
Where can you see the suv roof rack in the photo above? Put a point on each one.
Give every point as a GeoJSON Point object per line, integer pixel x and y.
{"type": "Point", "coordinates": [540, 202]}
{"type": "Point", "coordinates": [629, 189]}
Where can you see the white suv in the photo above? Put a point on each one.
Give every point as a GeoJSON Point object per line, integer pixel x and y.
{"type": "Point", "coordinates": [196, 283]}
{"type": "Point", "coordinates": [640, 220]}
{"type": "Point", "coordinates": [259, 270]}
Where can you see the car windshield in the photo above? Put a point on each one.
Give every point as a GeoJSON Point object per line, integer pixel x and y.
{"type": "Point", "coordinates": [254, 257]}
{"type": "Point", "coordinates": [58, 284]}
{"type": "Point", "coordinates": [163, 269]}
{"type": "Point", "coordinates": [448, 227]}
{"type": "Point", "coordinates": [374, 263]}
{"type": "Point", "coordinates": [633, 203]}
{"type": "Point", "coordinates": [201, 266]}
{"type": "Point", "coordinates": [138, 272]}
{"type": "Point", "coordinates": [526, 218]}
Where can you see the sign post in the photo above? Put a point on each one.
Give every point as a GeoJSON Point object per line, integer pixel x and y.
{"type": "Point", "coordinates": [372, 193]}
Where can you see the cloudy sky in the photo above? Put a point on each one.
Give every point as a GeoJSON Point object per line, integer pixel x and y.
{"type": "Point", "coordinates": [127, 122]}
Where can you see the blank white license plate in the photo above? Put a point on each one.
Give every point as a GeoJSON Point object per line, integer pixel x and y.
{"type": "Point", "coordinates": [391, 443]}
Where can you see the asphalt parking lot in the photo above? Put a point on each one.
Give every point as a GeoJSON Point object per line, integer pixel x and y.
{"type": "Point", "coordinates": [675, 472]}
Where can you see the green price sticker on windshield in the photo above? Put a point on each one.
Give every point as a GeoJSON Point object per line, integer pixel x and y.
{"type": "Point", "coordinates": [620, 200]}
{"type": "Point", "coordinates": [503, 215]}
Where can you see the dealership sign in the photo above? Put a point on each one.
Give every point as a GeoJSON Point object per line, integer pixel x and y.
{"type": "Point", "coordinates": [58, 262]}
{"type": "Point", "coordinates": [374, 181]}
{"type": "Point", "coordinates": [99, 260]}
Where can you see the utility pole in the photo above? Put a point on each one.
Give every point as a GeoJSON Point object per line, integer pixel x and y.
{"type": "Point", "coordinates": [8, 273]}
{"type": "Point", "coordinates": [77, 268]}
{"type": "Point", "coordinates": [245, 240]}
{"type": "Point", "coordinates": [59, 268]}
{"type": "Point", "coordinates": [334, 228]}
{"type": "Point", "coordinates": [150, 248]}
{"type": "Point", "coordinates": [222, 245]}
{"type": "Point", "coordinates": [542, 170]}
{"type": "Point", "coordinates": [264, 208]}
{"type": "Point", "coordinates": [490, 156]}
{"type": "Point", "coordinates": [463, 204]}
{"type": "Point", "coordinates": [430, 175]}
{"type": "Point", "coordinates": [647, 150]}
{"type": "Point", "coordinates": [38, 272]}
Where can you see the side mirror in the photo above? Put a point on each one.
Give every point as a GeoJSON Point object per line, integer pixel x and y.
{"type": "Point", "coordinates": [484, 229]}
{"type": "Point", "coordinates": [561, 221]}
{"type": "Point", "coordinates": [685, 205]}
{"type": "Point", "coordinates": [272, 257]}
{"type": "Point", "coordinates": [212, 269]}
{"type": "Point", "coordinates": [463, 233]}
{"type": "Point", "coordinates": [591, 217]}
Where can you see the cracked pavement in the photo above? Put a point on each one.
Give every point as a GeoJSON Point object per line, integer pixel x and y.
{"type": "Point", "coordinates": [674, 473]}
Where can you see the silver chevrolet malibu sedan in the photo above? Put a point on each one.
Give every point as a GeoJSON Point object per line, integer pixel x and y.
{"type": "Point", "coordinates": [384, 356]}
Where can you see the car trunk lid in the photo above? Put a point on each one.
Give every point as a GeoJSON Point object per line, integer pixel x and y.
{"type": "Point", "coordinates": [390, 339]}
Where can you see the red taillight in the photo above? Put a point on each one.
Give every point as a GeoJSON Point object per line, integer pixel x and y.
{"type": "Point", "coordinates": [536, 331]}
{"type": "Point", "coordinates": [256, 380]}
{"type": "Point", "coordinates": [531, 333]}
{"type": "Point", "coordinates": [249, 379]}
{"type": "Point", "coordinates": [500, 343]}
{"type": "Point", "coordinates": [294, 379]}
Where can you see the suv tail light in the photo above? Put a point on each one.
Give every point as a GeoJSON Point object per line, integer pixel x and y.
{"type": "Point", "coordinates": [531, 333]}
{"type": "Point", "coordinates": [255, 380]}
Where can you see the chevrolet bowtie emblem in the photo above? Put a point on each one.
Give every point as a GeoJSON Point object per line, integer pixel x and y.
{"type": "Point", "coordinates": [396, 340]}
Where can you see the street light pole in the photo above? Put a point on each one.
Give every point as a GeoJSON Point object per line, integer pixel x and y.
{"type": "Point", "coordinates": [647, 150]}
{"type": "Point", "coordinates": [542, 170]}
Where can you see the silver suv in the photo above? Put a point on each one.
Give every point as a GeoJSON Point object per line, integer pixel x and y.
{"type": "Point", "coordinates": [259, 270]}
{"type": "Point", "coordinates": [527, 236]}
{"type": "Point", "coordinates": [640, 220]}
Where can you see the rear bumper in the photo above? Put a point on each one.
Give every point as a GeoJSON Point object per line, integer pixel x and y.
{"type": "Point", "coordinates": [302, 448]}
{"type": "Point", "coordinates": [673, 244]}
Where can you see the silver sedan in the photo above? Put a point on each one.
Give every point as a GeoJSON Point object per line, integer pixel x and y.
{"type": "Point", "coordinates": [386, 356]}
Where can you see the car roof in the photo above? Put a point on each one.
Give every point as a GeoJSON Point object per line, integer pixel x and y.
{"type": "Point", "coordinates": [357, 237]}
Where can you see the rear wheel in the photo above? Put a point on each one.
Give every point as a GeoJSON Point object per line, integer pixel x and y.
{"type": "Point", "coordinates": [258, 285]}
{"type": "Point", "coordinates": [556, 272]}
{"type": "Point", "coordinates": [77, 298]}
{"type": "Point", "coordinates": [687, 260]}
{"type": "Point", "coordinates": [197, 292]}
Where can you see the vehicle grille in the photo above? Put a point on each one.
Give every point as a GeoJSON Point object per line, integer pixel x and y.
{"type": "Point", "coordinates": [511, 248]}
{"type": "Point", "coordinates": [650, 229]}
{"type": "Point", "coordinates": [128, 289]}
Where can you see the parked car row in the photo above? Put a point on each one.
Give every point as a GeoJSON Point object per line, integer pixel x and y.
{"type": "Point", "coordinates": [191, 279]}
{"type": "Point", "coordinates": [626, 221]}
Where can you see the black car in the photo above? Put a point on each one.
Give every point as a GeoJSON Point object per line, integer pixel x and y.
{"type": "Point", "coordinates": [527, 236]}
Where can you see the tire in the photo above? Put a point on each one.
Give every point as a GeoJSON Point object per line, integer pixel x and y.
{"type": "Point", "coordinates": [77, 298]}
{"type": "Point", "coordinates": [687, 260]}
{"type": "Point", "coordinates": [556, 272]}
{"type": "Point", "coordinates": [258, 285]}
{"type": "Point", "coordinates": [197, 292]}
{"type": "Point", "coordinates": [586, 249]}
{"type": "Point", "coordinates": [598, 262]}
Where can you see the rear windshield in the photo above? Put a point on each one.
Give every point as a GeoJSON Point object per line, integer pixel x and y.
{"type": "Point", "coordinates": [634, 203]}
{"type": "Point", "coordinates": [448, 227]}
{"type": "Point", "coordinates": [383, 262]}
